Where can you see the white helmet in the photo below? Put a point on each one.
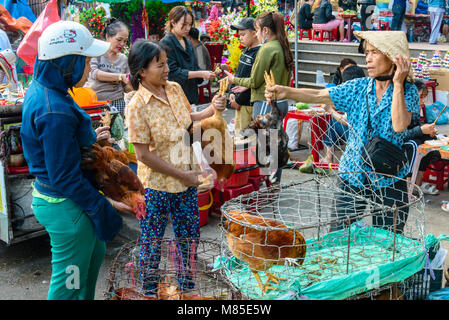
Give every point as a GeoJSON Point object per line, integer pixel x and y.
{"type": "Point", "coordinates": [64, 38]}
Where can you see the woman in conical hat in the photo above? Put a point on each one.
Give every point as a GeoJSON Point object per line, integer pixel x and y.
{"type": "Point", "coordinates": [391, 98]}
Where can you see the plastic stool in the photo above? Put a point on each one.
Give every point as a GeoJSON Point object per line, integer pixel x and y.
{"type": "Point", "coordinates": [321, 36]}
{"type": "Point", "coordinates": [201, 92]}
{"type": "Point", "coordinates": [309, 34]}
{"type": "Point", "coordinates": [384, 25]}
{"type": "Point", "coordinates": [256, 181]}
{"type": "Point", "coordinates": [437, 173]}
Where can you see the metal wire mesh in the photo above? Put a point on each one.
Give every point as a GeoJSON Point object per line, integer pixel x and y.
{"type": "Point", "coordinates": [260, 234]}
{"type": "Point", "coordinates": [130, 275]}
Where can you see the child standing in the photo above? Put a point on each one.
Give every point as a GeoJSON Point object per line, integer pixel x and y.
{"type": "Point", "coordinates": [240, 99]}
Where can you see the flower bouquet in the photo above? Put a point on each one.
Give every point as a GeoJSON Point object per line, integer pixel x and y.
{"type": "Point", "coordinates": [94, 20]}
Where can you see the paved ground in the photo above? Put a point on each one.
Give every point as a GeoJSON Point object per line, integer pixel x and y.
{"type": "Point", "coordinates": [25, 268]}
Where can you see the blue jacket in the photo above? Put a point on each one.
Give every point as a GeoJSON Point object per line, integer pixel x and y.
{"type": "Point", "coordinates": [437, 3]}
{"type": "Point", "coordinates": [54, 128]}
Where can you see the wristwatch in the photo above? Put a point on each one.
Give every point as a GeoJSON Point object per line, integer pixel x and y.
{"type": "Point", "coordinates": [120, 77]}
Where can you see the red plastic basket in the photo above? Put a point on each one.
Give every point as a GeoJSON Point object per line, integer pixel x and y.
{"type": "Point", "coordinates": [239, 178]}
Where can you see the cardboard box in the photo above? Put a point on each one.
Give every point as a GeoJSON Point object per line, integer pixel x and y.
{"type": "Point", "coordinates": [442, 77]}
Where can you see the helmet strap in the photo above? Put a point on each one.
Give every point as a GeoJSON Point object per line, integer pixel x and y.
{"type": "Point", "coordinates": [67, 73]}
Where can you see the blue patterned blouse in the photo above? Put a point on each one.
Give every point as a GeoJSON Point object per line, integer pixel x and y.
{"type": "Point", "coordinates": [350, 97]}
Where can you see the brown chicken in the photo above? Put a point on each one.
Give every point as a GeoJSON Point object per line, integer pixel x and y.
{"type": "Point", "coordinates": [262, 249]}
{"type": "Point", "coordinates": [225, 166]}
{"type": "Point", "coordinates": [114, 178]}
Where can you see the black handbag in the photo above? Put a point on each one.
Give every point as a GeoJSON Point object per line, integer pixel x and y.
{"type": "Point", "coordinates": [381, 155]}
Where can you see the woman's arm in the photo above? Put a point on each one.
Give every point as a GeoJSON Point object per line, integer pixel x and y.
{"type": "Point", "coordinates": [109, 76]}
{"type": "Point", "coordinates": [150, 159]}
{"type": "Point", "coordinates": [320, 96]}
{"type": "Point", "coordinates": [400, 116]}
{"type": "Point", "coordinates": [218, 103]}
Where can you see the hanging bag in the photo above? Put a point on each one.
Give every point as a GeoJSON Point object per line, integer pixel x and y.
{"type": "Point", "coordinates": [28, 47]}
{"type": "Point", "coordinates": [380, 154]}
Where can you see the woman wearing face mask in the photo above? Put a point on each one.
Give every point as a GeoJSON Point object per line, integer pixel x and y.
{"type": "Point", "coordinates": [380, 105]}
{"type": "Point", "coordinates": [274, 55]}
{"type": "Point", "coordinates": [181, 56]}
{"type": "Point", "coordinates": [78, 218]}
{"type": "Point", "coordinates": [109, 75]}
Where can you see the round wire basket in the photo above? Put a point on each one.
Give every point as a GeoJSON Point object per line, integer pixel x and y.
{"type": "Point", "coordinates": [318, 240]}
{"type": "Point", "coordinates": [130, 275]}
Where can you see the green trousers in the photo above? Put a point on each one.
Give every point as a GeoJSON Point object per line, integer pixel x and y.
{"type": "Point", "coordinates": [77, 254]}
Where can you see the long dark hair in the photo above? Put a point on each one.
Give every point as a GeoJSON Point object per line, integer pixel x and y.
{"type": "Point", "coordinates": [112, 27]}
{"type": "Point", "coordinates": [175, 15]}
{"type": "Point", "coordinates": [140, 56]}
{"type": "Point", "coordinates": [275, 22]}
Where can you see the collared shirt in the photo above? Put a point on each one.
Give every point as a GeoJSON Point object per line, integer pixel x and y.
{"type": "Point", "coordinates": [350, 97]}
{"type": "Point", "coordinates": [161, 124]}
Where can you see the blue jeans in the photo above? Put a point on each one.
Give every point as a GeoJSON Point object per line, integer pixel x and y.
{"type": "Point", "coordinates": [336, 133]}
{"type": "Point", "coordinates": [398, 17]}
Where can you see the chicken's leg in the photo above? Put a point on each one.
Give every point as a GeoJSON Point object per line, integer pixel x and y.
{"type": "Point", "coordinates": [263, 287]}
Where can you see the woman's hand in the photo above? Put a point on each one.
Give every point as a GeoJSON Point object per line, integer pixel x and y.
{"type": "Point", "coordinates": [233, 103]}
{"type": "Point", "coordinates": [103, 133]}
{"type": "Point", "coordinates": [120, 206]}
{"type": "Point", "coordinates": [429, 129]}
{"type": "Point", "coordinates": [125, 79]}
{"type": "Point", "coordinates": [219, 102]}
{"type": "Point", "coordinates": [208, 75]}
{"type": "Point", "coordinates": [280, 91]}
{"type": "Point", "coordinates": [230, 76]}
{"type": "Point", "coordinates": [190, 178]}
{"type": "Point", "coordinates": [239, 89]}
{"type": "Point", "coordinates": [402, 69]}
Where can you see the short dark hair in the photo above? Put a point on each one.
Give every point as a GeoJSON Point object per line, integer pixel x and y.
{"type": "Point", "coordinates": [140, 56]}
{"type": "Point", "coordinates": [346, 62]}
{"type": "Point", "coordinates": [421, 86]}
{"type": "Point", "coordinates": [204, 36]}
{"type": "Point", "coordinates": [194, 33]}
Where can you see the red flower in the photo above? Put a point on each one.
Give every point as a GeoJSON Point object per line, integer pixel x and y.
{"type": "Point", "coordinates": [236, 35]}
{"type": "Point", "coordinates": [241, 46]}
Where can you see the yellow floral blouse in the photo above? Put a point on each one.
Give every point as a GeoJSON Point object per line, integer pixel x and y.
{"type": "Point", "coordinates": [161, 124]}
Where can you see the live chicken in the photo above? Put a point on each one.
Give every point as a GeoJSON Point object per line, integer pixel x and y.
{"type": "Point", "coordinates": [262, 249]}
{"type": "Point", "coordinates": [114, 178]}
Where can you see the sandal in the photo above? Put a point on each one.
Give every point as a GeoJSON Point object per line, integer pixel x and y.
{"type": "Point", "coordinates": [444, 206]}
{"type": "Point", "coordinates": [428, 188]}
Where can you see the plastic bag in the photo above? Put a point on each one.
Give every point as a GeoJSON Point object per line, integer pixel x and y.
{"type": "Point", "coordinates": [28, 47]}
{"type": "Point", "coordinates": [292, 131]}
{"type": "Point", "coordinates": [442, 294]}
{"type": "Point", "coordinates": [118, 128]}
{"type": "Point", "coordinates": [434, 110]}
{"type": "Point", "coordinates": [209, 176]}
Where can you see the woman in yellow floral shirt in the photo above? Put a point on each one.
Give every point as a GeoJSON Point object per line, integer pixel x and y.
{"type": "Point", "coordinates": [157, 118]}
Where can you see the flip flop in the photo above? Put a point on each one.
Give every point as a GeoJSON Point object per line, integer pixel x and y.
{"type": "Point", "coordinates": [444, 207]}
{"type": "Point", "coordinates": [429, 189]}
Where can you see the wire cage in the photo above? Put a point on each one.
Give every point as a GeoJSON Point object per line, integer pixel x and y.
{"type": "Point", "coordinates": [185, 271]}
{"type": "Point", "coordinates": [315, 239]}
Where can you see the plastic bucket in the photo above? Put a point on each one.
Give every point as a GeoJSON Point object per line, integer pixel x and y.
{"type": "Point", "coordinates": [205, 201]}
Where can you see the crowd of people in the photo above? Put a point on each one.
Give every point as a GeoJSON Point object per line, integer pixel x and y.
{"type": "Point", "coordinates": [164, 76]}
{"type": "Point", "coordinates": [319, 15]}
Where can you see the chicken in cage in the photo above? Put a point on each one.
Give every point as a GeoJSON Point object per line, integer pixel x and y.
{"type": "Point", "coordinates": [183, 273]}
{"type": "Point", "coordinates": [313, 239]}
